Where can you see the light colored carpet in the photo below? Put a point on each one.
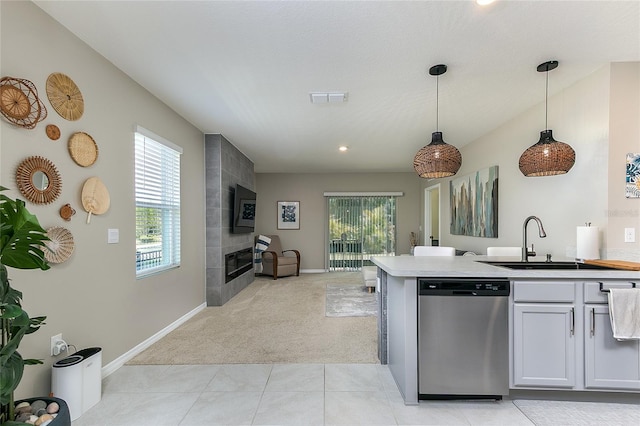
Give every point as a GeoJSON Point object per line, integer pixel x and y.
{"type": "Point", "coordinates": [281, 321]}
{"type": "Point", "coordinates": [348, 300]}
{"type": "Point", "coordinates": [567, 413]}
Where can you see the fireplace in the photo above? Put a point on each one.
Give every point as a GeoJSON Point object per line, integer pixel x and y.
{"type": "Point", "coordinates": [237, 263]}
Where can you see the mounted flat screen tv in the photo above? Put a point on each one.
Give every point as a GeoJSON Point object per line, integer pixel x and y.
{"type": "Point", "coordinates": [244, 210]}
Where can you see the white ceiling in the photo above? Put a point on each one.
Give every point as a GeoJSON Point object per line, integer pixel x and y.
{"type": "Point", "coordinates": [245, 69]}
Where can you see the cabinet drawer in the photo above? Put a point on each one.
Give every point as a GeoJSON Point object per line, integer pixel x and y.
{"type": "Point", "coordinates": [544, 291]}
{"type": "Point", "coordinates": [592, 293]}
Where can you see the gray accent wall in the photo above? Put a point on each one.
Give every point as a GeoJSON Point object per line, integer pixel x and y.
{"type": "Point", "coordinates": [225, 167]}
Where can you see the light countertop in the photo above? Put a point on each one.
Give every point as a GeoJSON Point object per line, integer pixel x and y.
{"type": "Point", "coordinates": [468, 266]}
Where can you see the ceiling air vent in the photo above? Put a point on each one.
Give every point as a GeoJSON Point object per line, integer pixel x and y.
{"type": "Point", "coordinates": [328, 98]}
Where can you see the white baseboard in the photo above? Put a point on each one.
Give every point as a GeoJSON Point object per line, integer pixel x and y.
{"type": "Point", "coordinates": [313, 271]}
{"type": "Point", "coordinates": [122, 359]}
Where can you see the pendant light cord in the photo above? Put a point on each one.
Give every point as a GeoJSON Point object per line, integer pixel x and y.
{"type": "Point", "coordinates": [437, 103]}
{"type": "Point", "coordinates": [546, 103]}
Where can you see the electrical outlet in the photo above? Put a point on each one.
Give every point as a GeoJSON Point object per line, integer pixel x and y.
{"type": "Point", "coordinates": [629, 235]}
{"type": "Point", "coordinates": [55, 339]}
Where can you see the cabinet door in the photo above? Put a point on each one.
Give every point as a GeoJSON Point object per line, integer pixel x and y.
{"type": "Point", "coordinates": [544, 345]}
{"type": "Point", "coordinates": [609, 363]}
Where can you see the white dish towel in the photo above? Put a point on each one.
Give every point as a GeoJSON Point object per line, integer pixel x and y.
{"type": "Point", "coordinates": [624, 312]}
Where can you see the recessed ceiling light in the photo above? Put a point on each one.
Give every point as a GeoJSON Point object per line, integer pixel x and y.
{"type": "Point", "coordinates": [343, 148]}
{"type": "Point", "coordinates": [484, 2]}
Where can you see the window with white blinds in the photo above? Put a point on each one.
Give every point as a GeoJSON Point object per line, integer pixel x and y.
{"type": "Point", "coordinates": [157, 191]}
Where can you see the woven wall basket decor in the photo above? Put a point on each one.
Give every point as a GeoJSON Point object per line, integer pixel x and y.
{"type": "Point", "coordinates": [65, 96]}
{"type": "Point", "coordinates": [53, 132]}
{"type": "Point", "coordinates": [83, 149]}
{"type": "Point", "coordinates": [19, 102]}
{"type": "Point", "coordinates": [60, 245]}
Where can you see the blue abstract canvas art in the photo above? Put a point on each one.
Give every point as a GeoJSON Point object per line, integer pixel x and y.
{"type": "Point", "coordinates": [474, 204]}
{"type": "Point", "coordinates": [633, 176]}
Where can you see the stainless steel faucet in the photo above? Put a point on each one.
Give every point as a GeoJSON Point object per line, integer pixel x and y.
{"type": "Point", "coordinates": [525, 251]}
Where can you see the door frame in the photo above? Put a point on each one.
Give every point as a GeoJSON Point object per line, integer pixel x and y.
{"type": "Point", "coordinates": [427, 213]}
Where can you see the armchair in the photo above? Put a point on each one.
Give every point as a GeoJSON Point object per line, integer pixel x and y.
{"type": "Point", "coordinates": [276, 264]}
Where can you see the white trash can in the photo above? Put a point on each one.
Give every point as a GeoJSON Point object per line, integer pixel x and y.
{"type": "Point", "coordinates": [78, 380]}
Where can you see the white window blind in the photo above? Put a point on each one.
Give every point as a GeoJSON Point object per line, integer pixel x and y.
{"type": "Point", "coordinates": [157, 192]}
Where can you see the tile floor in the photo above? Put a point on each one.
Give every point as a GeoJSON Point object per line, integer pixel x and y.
{"type": "Point", "coordinates": [282, 394]}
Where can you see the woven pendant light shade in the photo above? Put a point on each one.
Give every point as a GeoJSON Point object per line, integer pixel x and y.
{"type": "Point", "coordinates": [438, 159]}
{"type": "Point", "coordinates": [548, 157]}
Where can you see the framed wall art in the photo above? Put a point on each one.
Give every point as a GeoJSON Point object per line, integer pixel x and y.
{"type": "Point", "coordinates": [288, 215]}
{"type": "Point", "coordinates": [474, 204]}
{"type": "Point", "coordinates": [633, 176]}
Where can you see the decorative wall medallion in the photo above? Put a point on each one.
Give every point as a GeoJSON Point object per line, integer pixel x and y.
{"type": "Point", "coordinates": [66, 212]}
{"type": "Point", "coordinates": [65, 96]}
{"type": "Point", "coordinates": [38, 180]}
{"type": "Point", "coordinates": [83, 149]}
{"type": "Point", "coordinates": [19, 102]}
{"type": "Point", "coordinates": [60, 245]}
{"type": "Point", "coordinates": [53, 132]}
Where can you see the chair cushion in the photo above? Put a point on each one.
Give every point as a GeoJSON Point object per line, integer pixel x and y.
{"type": "Point", "coordinates": [287, 260]}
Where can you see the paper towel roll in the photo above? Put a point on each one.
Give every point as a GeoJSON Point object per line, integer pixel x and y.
{"type": "Point", "coordinates": [588, 242]}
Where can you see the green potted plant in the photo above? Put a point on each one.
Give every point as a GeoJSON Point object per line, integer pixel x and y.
{"type": "Point", "coordinates": [22, 245]}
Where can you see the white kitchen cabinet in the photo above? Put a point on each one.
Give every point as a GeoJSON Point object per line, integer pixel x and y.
{"type": "Point", "coordinates": [609, 363]}
{"type": "Point", "coordinates": [562, 338]}
{"type": "Point", "coordinates": [544, 345]}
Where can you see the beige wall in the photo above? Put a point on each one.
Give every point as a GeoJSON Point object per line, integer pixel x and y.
{"type": "Point", "coordinates": [309, 190]}
{"type": "Point", "coordinates": [94, 299]}
{"type": "Point", "coordinates": [593, 188]}
{"type": "Point", "coordinates": [624, 137]}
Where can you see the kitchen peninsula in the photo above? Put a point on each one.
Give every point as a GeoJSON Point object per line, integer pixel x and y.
{"type": "Point", "coordinates": [578, 358]}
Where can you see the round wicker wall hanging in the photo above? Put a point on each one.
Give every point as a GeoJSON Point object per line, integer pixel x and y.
{"type": "Point", "coordinates": [65, 96]}
{"type": "Point", "coordinates": [53, 132]}
{"type": "Point", "coordinates": [38, 180]}
{"type": "Point", "coordinates": [19, 102]}
{"type": "Point", "coordinates": [60, 245]}
{"type": "Point", "coordinates": [83, 149]}
{"type": "Point", "coordinates": [66, 212]}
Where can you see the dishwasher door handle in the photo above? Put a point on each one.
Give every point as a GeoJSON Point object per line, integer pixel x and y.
{"type": "Point", "coordinates": [464, 293]}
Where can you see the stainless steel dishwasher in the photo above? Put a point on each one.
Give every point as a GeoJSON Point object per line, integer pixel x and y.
{"type": "Point", "coordinates": [463, 338]}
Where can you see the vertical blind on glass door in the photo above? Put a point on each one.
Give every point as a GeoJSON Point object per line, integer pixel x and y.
{"type": "Point", "coordinates": [360, 227]}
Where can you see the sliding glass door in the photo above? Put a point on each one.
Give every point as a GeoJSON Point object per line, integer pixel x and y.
{"type": "Point", "coordinates": [360, 227]}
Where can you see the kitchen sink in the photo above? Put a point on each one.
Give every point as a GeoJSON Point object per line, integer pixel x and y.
{"type": "Point", "coordinates": [544, 265]}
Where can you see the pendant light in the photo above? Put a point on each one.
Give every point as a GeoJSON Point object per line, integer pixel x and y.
{"type": "Point", "coordinates": [547, 157]}
{"type": "Point", "coordinates": [438, 159]}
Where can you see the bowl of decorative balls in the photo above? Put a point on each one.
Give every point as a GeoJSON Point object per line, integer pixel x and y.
{"type": "Point", "coordinates": [45, 411]}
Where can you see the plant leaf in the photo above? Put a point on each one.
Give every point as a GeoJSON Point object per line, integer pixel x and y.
{"type": "Point", "coordinates": [22, 238]}
{"type": "Point", "coordinates": [10, 376]}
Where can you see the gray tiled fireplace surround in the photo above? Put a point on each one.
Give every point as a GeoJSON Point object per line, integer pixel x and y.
{"type": "Point", "coordinates": [226, 167]}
